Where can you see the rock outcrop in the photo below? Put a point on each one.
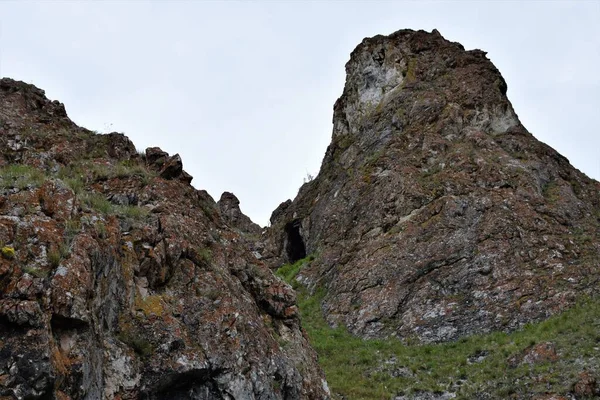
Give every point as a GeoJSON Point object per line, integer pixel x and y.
{"type": "Point", "coordinates": [119, 280]}
{"type": "Point", "coordinates": [229, 206]}
{"type": "Point", "coordinates": [436, 214]}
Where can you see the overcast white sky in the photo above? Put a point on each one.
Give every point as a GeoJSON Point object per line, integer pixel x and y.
{"type": "Point", "coordinates": [244, 91]}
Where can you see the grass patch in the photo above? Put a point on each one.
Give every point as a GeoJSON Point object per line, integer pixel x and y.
{"type": "Point", "coordinates": [98, 202]}
{"type": "Point", "coordinates": [130, 335]}
{"type": "Point", "coordinates": [101, 204]}
{"type": "Point", "coordinates": [36, 272]}
{"type": "Point", "coordinates": [381, 369]}
{"type": "Point", "coordinates": [134, 212]}
{"type": "Point", "coordinates": [288, 272]}
{"type": "Point", "coordinates": [18, 176]}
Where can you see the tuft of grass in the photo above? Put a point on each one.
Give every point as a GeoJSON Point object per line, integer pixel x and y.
{"type": "Point", "coordinates": [205, 255]}
{"type": "Point", "coordinates": [368, 369]}
{"type": "Point", "coordinates": [551, 192]}
{"type": "Point", "coordinates": [76, 185]}
{"type": "Point", "coordinates": [72, 228]}
{"type": "Point", "coordinates": [101, 230]}
{"type": "Point", "coordinates": [98, 202]}
{"type": "Point", "coordinates": [132, 337]}
{"type": "Point", "coordinates": [54, 257]}
{"type": "Point", "coordinates": [36, 272]}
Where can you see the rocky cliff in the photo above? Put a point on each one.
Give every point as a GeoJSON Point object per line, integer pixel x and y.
{"type": "Point", "coordinates": [436, 214]}
{"type": "Point", "coordinates": [119, 280]}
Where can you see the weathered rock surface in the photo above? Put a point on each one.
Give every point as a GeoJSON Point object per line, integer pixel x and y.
{"type": "Point", "coordinates": [229, 206]}
{"type": "Point", "coordinates": [119, 280]}
{"type": "Point", "coordinates": [436, 214]}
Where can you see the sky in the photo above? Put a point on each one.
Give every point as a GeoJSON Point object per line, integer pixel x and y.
{"type": "Point", "coordinates": [244, 91]}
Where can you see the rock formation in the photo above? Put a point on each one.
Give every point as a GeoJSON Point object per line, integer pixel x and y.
{"type": "Point", "coordinates": [119, 280]}
{"type": "Point", "coordinates": [436, 214]}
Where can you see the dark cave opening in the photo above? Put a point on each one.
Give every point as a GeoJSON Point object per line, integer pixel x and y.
{"type": "Point", "coordinates": [294, 245]}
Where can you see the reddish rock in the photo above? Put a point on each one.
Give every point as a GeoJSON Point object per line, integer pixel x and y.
{"type": "Point", "coordinates": [586, 386]}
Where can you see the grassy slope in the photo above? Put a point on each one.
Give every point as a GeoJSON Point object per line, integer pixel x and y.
{"type": "Point", "coordinates": [380, 369]}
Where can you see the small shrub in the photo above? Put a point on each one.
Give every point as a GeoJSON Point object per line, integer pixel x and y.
{"type": "Point", "coordinates": [54, 257]}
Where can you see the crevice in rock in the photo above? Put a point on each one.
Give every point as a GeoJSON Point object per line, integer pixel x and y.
{"type": "Point", "coordinates": [294, 244]}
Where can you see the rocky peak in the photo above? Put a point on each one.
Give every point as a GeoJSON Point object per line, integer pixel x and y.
{"type": "Point", "coordinates": [435, 213]}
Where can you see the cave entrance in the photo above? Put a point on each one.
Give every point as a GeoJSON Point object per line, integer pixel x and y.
{"type": "Point", "coordinates": [294, 246]}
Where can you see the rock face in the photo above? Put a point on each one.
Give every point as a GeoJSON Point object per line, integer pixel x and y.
{"type": "Point", "coordinates": [435, 213]}
{"type": "Point", "coordinates": [119, 280]}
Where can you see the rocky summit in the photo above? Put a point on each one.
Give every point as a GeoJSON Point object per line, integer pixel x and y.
{"type": "Point", "coordinates": [441, 252]}
{"type": "Point", "coordinates": [119, 280]}
{"type": "Point", "coordinates": [436, 214]}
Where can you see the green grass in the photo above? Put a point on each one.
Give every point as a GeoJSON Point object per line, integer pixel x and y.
{"type": "Point", "coordinates": [21, 177]}
{"type": "Point", "coordinates": [289, 271]}
{"type": "Point", "coordinates": [36, 272]}
{"type": "Point", "coordinates": [363, 369]}
{"type": "Point", "coordinates": [134, 212]}
{"type": "Point", "coordinates": [98, 202]}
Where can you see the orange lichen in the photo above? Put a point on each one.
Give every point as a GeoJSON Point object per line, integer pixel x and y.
{"type": "Point", "coordinates": [151, 305]}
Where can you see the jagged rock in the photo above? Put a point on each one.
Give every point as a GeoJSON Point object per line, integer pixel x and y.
{"type": "Point", "coordinates": [119, 146]}
{"type": "Point", "coordinates": [156, 158]}
{"type": "Point", "coordinates": [435, 213]}
{"type": "Point", "coordinates": [172, 168]}
{"type": "Point", "coordinates": [168, 167]}
{"type": "Point", "coordinates": [122, 281]}
{"type": "Point", "coordinates": [229, 206]}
